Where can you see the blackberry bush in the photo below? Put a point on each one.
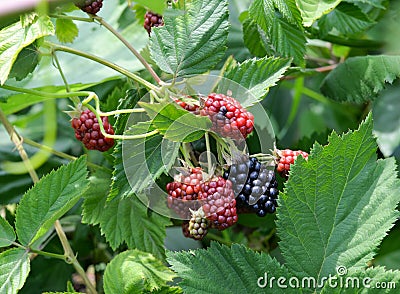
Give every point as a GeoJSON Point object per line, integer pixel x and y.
{"type": "Point", "coordinates": [290, 61]}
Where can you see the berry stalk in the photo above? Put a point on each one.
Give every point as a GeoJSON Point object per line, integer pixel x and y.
{"type": "Point", "coordinates": [49, 139]}
{"type": "Point", "coordinates": [121, 137]}
{"type": "Point", "coordinates": [56, 47]}
{"type": "Point", "coordinates": [74, 99]}
{"type": "Point", "coordinates": [209, 163]}
{"type": "Point", "coordinates": [130, 47]}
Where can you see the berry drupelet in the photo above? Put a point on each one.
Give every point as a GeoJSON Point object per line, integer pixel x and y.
{"type": "Point", "coordinates": [229, 118]}
{"type": "Point", "coordinates": [254, 185]}
{"type": "Point", "coordinates": [87, 130]}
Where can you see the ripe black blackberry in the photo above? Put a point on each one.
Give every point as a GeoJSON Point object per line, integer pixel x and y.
{"type": "Point", "coordinates": [87, 130]}
{"type": "Point", "coordinates": [183, 190]}
{"type": "Point", "coordinates": [218, 203]}
{"type": "Point", "coordinates": [254, 185]}
{"type": "Point", "coordinates": [229, 118]}
{"type": "Point", "coordinates": [152, 19]}
{"type": "Point", "coordinates": [89, 6]}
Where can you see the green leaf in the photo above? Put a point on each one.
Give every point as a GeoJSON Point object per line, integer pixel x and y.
{"type": "Point", "coordinates": [7, 234]}
{"type": "Point", "coordinates": [192, 42]}
{"type": "Point", "coordinates": [16, 37]}
{"type": "Point", "coordinates": [178, 125]}
{"type": "Point", "coordinates": [360, 79]}
{"type": "Point", "coordinates": [14, 269]}
{"type": "Point", "coordinates": [49, 199]}
{"type": "Point", "coordinates": [374, 3]}
{"type": "Point", "coordinates": [168, 290]}
{"type": "Point", "coordinates": [66, 30]}
{"type": "Point", "coordinates": [257, 75]}
{"type": "Point", "coordinates": [376, 279]}
{"type": "Point", "coordinates": [127, 220]}
{"type": "Point", "coordinates": [289, 10]}
{"type": "Point", "coordinates": [95, 198]}
{"type": "Point", "coordinates": [222, 269]}
{"type": "Point", "coordinates": [387, 120]}
{"type": "Point", "coordinates": [25, 63]}
{"type": "Point", "coordinates": [157, 6]}
{"type": "Point", "coordinates": [347, 18]}
{"type": "Point", "coordinates": [135, 272]}
{"type": "Point", "coordinates": [335, 199]}
{"type": "Point", "coordinates": [281, 24]}
{"type": "Point", "coordinates": [123, 220]}
{"type": "Point", "coordinates": [312, 10]}
{"type": "Point", "coordinates": [254, 38]}
{"type": "Point", "coordinates": [142, 160]}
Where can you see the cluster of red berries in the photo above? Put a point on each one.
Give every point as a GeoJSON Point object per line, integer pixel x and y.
{"type": "Point", "coordinates": [229, 118]}
{"type": "Point", "coordinates": [184, 191]}
{"type": "Point", "coordinates": [151, 20]}
{"type": "Point", "coordinates": [89, 6]}
{"type": "Point", "coordinates": [213, 197]}
{"type": "Point", "coordinates": [247, 186]}
{"type": "Point", "coordinates": [87, 130]}
{"type": "Point", "coordinates": [284, 158]}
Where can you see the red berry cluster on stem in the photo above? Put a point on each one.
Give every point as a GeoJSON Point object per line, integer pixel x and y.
{"type": "Point", "coordinates": [183, 190]}
{"type": "Point", "coordinates": [87, 130]}
{"type": "Point", "coordinates": [219, 204]}
{"type": "Point", "coordinates": [285, 158]}
{"type": "Point", "coordinates": [90, 6]}
{"type": "Point", "coordinates": [151, 20]}
{"type": "Point", "coordinates": [229, 118]}
{"type": "Point", "coordinates": [216, 201]}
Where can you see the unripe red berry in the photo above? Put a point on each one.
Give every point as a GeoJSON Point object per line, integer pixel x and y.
{"type": "Point", "coordinates": [87, 130]}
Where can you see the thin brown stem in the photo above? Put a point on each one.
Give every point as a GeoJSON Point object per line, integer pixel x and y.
{"type": "Point", "coordinates": [325, 68]}
{"type": "Point", "coordinates": [59, 154]}
{"type": "Point", "coordinates": [313, 70]}
{"type": "Point", "coordinates": [130, 47]}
